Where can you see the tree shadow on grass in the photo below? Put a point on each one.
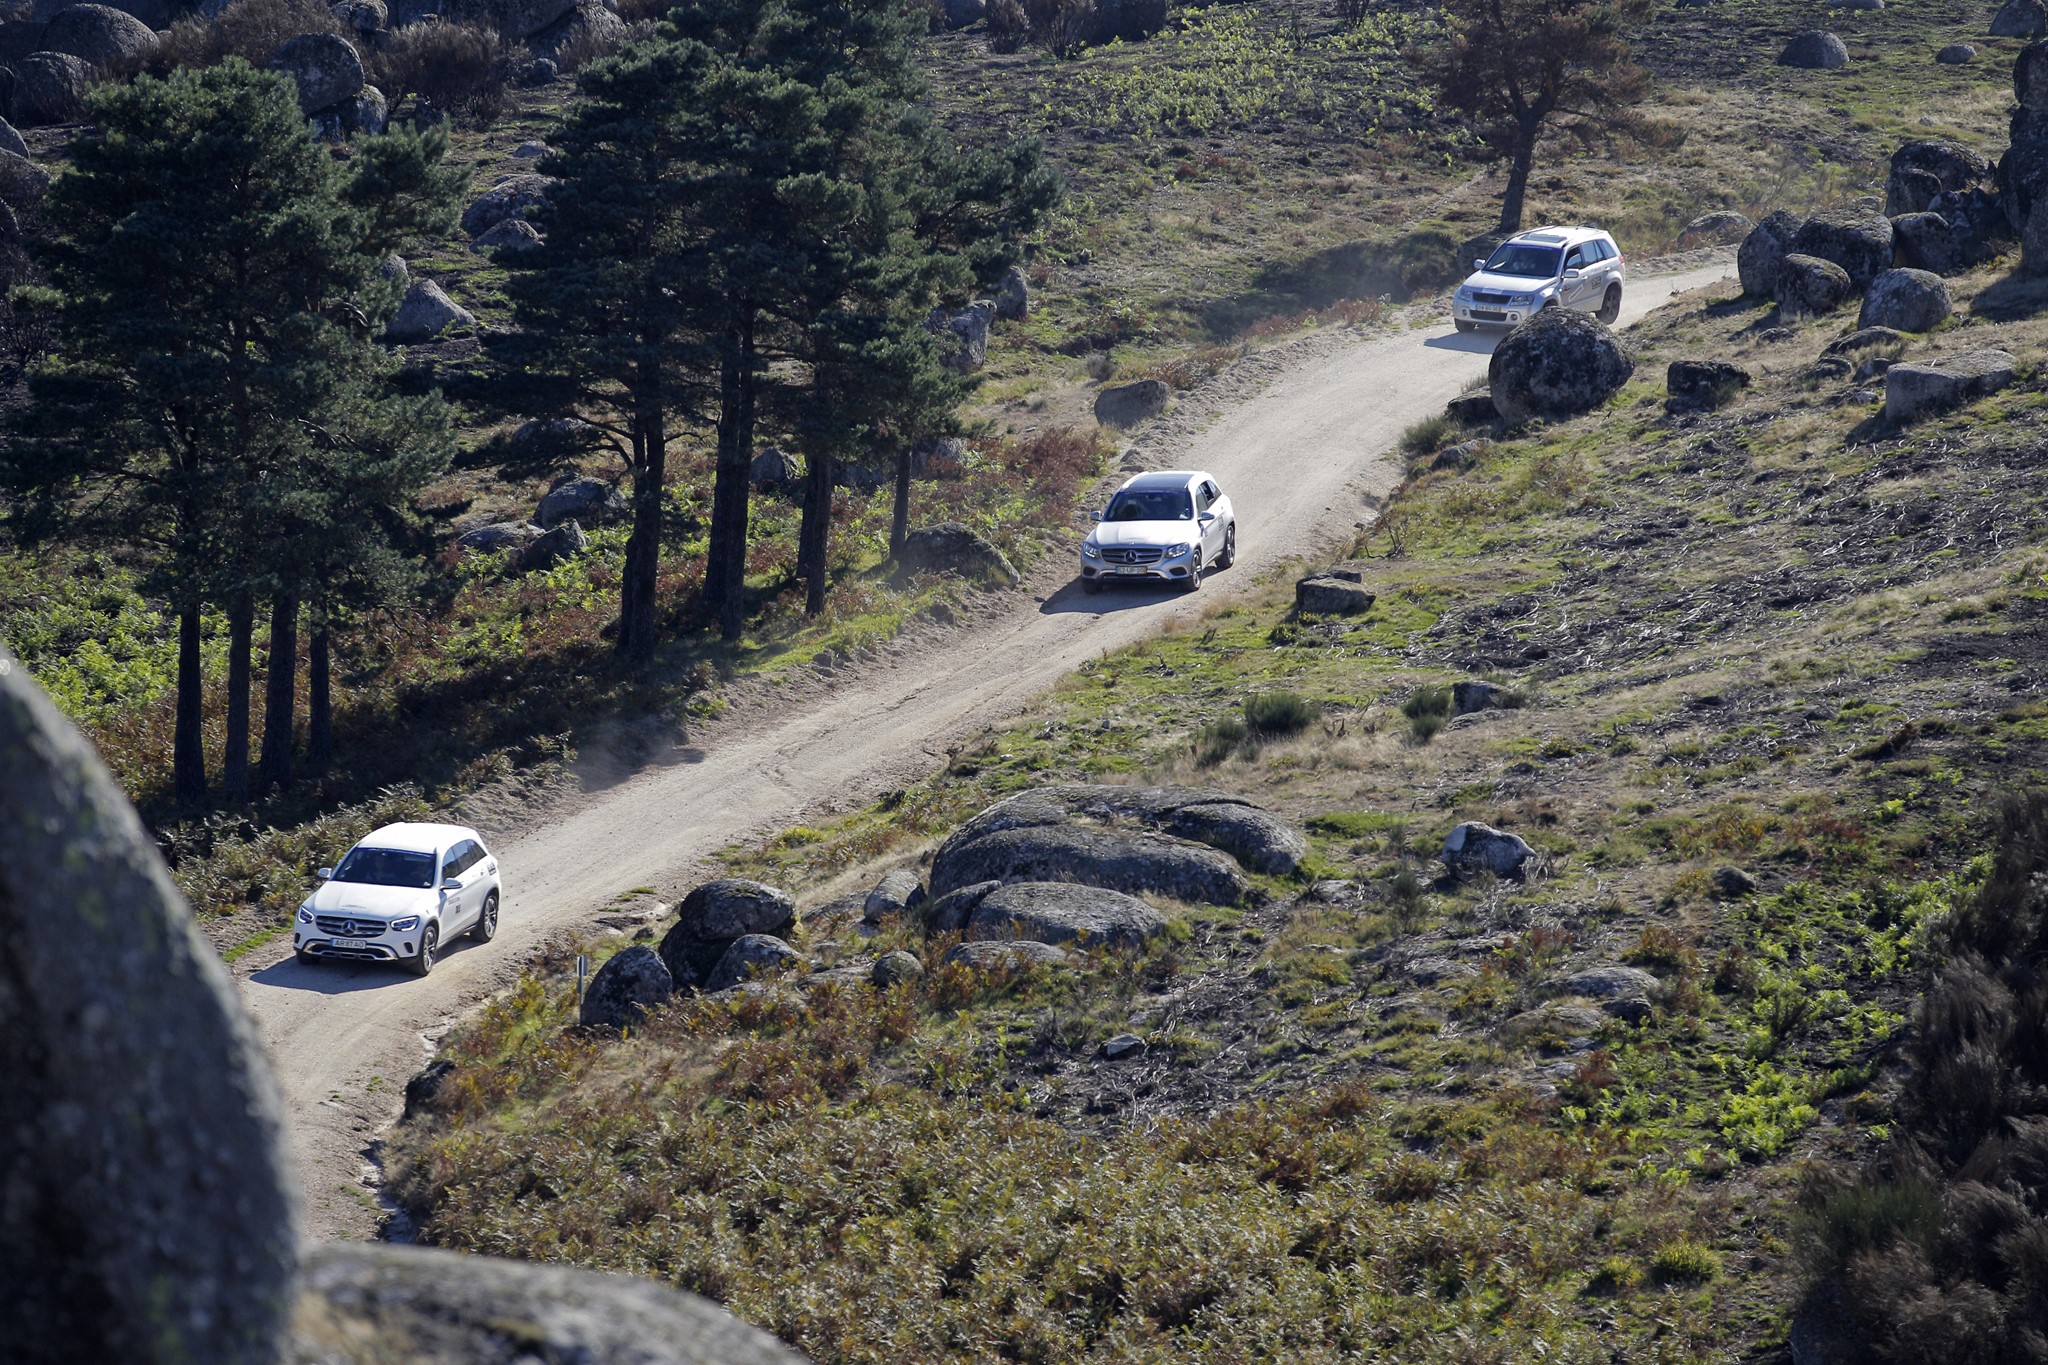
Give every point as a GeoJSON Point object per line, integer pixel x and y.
{"type": "Point", "coordinates": [2012, 299]}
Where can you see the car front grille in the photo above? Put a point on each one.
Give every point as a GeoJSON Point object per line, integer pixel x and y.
{"type": "Point", "coordinates": [1133, 554]}
{"type": "Point", "coordinates": [1478, 297]}
{"type": "Point", "coordinates": [349, 926]}
{"type": "Point", "coordinates": [1483, 315]}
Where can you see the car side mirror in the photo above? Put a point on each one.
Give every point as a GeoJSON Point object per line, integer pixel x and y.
{"type": "Point", "coordinates": [1095, 515]}
{"type": "Point", "coordinates": [1571, 274]}
{"type": "Point", "coordinates": [1479, 264]}
{"type": "Point", "coordinates": [1208, 516]}
{"type": "Point", "coordinates": [325, 874]}
{"type": "Point", "coordinates": [451, 883]}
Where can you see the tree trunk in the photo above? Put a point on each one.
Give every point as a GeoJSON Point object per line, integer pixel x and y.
{"type": "Point", "coordinates": [629, 579]}
{"type": "Point", "coordinates": [815, 534]}
{"type": "Point", "coordinates": [725, 569]}
{"type": "Point", "coordinates": [188, 754]}
{"type": "Point", "coordinates": [643, 547]}
{"type": "Point", "coordinates": [234, 764]}
{"type": "Point", "coordinates": [319, 698]}
{"type": "Point", "coordinates": [899, 516]}
{"type": "Point", "coordinates": [280, 694]}
{"type": "Point", "coordinates": [1519, 158]}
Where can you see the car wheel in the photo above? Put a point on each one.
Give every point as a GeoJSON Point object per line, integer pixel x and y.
{"type": "Point", "coordinates": [303, 958]}
{"type": "Point", "coordinates": [486, 927]}
{"type": "Point", "coordinates": [1229, 555]}
{"type": "Point", "coordinates": [1464, 326]}
{"type": "Point", "coordinates": [1194, 578]}
{"type": "Point", "coordinates": [1610, 307]}
{"type": "Point", "coordinates": [423, 963]}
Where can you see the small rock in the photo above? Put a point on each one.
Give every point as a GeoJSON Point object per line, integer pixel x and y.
{"type": "Point", "coordinates": [1732, 883]}
{"type": "Point", "coordinates": [1774, 335]}
{"type": "Point", "coordinates": [1608, 983]}
{"type": "Point", "coordinates": [1704, 383]}
{"type": "Point", "coordinates": [1123, 1045]}
{"type": "Point", "coordinates": [1462, 456]}
{"type": "Point", "coordinates": [896, 893]}
{"type": "Point", "coordinates": [1328, 595]}
{"type": "Point", "coordinates": [1474, 848]}
{"type": "Point", "coordinates": [513, 236]}
{"type": "Point", "coordinates": [503, 535]}
{"type": "Point", "coordinates": [1715, 229]}
{"type": "Point", "coordinates": [893, 969]}
{"type": "Point", "coordinates": [1911, 390]}
{"type": "Point", "coordinates": [1472, 409]}
{"type": "Point", "coordinates": [1863, 339]}
{"type": "Point", "coordinates": [426, 313]}
{"type": "Point", "coordinates": [773, 468]}
{"type": "Point", "coordinates": [530, 149]}
{"type": "Point", "coordinates": [1475, 694]}
{"type": "Point", "coordinates": [1429, 971]}
{"type": "Point", "coordinates": [1830, 367]}
{"type": "Point", "coordinates": [540, 71]}
{"type": "Point", "coordinates": [1013, 295]}
{"type": "Point", "coordinates": [1956, 54]}
{"type": "Point", "coordinates": [1126, 405]}
{"type": "Point", "coordinates": [514, 197]}
{"type": "Point", "coordinates": [564, 541]}
{"type": "Point", "coordinates": [582, 497]}
{"type": "Point", "coordinates": [752, 957]}
{"type": "Point", "coordinates": [1815, 50]}
{"type": "Point", "coordinates": [423, 1087]}
{"type": "Point", "coordinates": [623, 989]}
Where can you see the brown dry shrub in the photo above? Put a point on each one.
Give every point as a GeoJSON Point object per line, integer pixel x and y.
{"type": "Point", "coordinates": [1007, 25]}
{"type": "Point", "coordinates": [586, 47]}
{"type": "Point", "coordinates": [460, 70]}
{"type": "Point", "coordinates": [250, 29]}
{"type": "Point", "coordinates": [1061, 26]}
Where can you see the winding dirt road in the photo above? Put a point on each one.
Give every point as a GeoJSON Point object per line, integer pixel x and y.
{"type": "Point", "coordinates": [1300, 442]}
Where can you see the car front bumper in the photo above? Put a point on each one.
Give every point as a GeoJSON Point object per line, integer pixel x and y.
{"type": "Point", "coordinates": [1164, 570]}
{"type": "Point", "coordinates": [390, 946]}
{"type": "Point", "coordinates": [1489, 315]}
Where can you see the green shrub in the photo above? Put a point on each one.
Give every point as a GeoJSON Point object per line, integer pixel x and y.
{"type": "Point", "coordinates": [1427, 437]}
{"type": "Point", "coordinates": [1214, 743]}
{"type": "Point", "coordinates": [1428, 711]}
{"type": "Point", "coordinates": [1684, 1262]}
{"type": "Point", "coordinates": [1280, 713]}
{"type": "Point", "coordinates": [1615, 1275]}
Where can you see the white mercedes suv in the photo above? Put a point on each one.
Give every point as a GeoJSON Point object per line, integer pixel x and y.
{"type": "Point", "coordinates": [1161, 527]}
{"type": "Point", "coordinates": [399, 895]}
{"type": "Point", "coordinates": [1551, 267]}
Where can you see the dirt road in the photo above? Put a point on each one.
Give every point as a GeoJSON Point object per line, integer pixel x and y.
{"type": "Point", "coordinates": [1299, 441]}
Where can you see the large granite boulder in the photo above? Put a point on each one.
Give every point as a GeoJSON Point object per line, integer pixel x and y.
{"type": "Point", "coordinates": [1557, 364]}
{"type": "Point", "coordinates": [1815, 50]}
{"type": "Point", "coordinates": [564, 540]}
{"type": "Point", "coordinates": [1188, 842]}
{"type": "Point", "coordinates": [1722, 228]}
{"type": "Point", "coordinates": [146, 1206]}
{"type": "Point", "coordinates": [952, 547]}
{"type": "Point", "coordinates": [503, 535]}
{"type": "Point", "coordinates": [625, 986]}
{"type": "Point", "coordinates": [752, 957]}
{"type": "Point", "coordinates": [1013, 295]}
{"type": "Point", "coordinates": [1980, 222]}
{"type": "Point", "coordinates": [898, 893]}
{"type": "Point", "coordinates": [1005, 954]}
{"type": "Point", "coordinates": [1474, 849]}
{"type": "Point", "coordinates": [367, 1303]}
{"type": "Point", "coordinates": [590, 27]}
{"type": "Point", "coordinates": [518, 20]}
{"type": "Point", "coordinates": [517, 196]}
{"type": "Point", "coordinates": [1703, 383]}
{"type": "Point", "coordinates": [366, 113]}
{"type": "Point", "coordinates": [963, 334]}
{"type": "Point", "coordinates": [2020, 19]}
{"type": "Point", "coordinates": [948, 914]}
{"type": "Point", "coordinates": [326, 67]}
{"type": "Point", "coordinates": [425, 313]}
{"type": "Point", "coordinates": [1809, 286]}
{"type": "Point", "coordinates": [104, 38]}
{"type": "Point", "coordinates": [514, 236]}
{"type": "Point", "coordinates": [1762, 251]}
{"type": "Point", "coordinates": [1860, 243]}
{"type": "Point", "coordinates": [1906, 300]}
{"type": "Point", "coordinates": [1923, 241]}
{"type": "Point", "coordinates": [1065, 913]}
{"type": "Point", "coordinates": [22, 182]}
{"type": "Point", "coordinates": [49, 88]}
{"type": "Point", "coordinates": [1337, 591]}
{"type": "Point", "coordinates": [1956, 54]}
{"type": "Point", "coordinates": [1911, 390]}
{"type": "Point", "coordinates": [1923, 169]}
{"type": "Point", "coordinates": [2030, 77]}
{"type": "Point", "coordinates": [717, 914]}
{"type": "Point", "coordinates": [589, 500]}
{"type": "Point", "coordinates": [774, 468]}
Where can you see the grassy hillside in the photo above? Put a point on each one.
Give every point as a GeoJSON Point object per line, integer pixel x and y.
{"type": "Point", "coordinates": [1780, 638]}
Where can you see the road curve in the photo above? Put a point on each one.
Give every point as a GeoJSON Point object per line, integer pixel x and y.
{"type": "Point", "coordinates": [1299, 458]}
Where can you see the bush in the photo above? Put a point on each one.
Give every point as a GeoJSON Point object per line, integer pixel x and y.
{"type": "Point", "coordinates": [1280, 713]}
{"type": "Point", "coordinates": [1427, 437]}
{"type": "Point", "coordinates": [461, 71]}
{"type": "Point", "coordinates": [1684, 1262]}
{"type": "Point", "coordinates": [1214, 743]}
{"type": "Point", "coordinates": [1428, 711]}
{"type": "Point", "coordinates": [1007, 25]}
{"type": "Point", "coordinates": [1061, 26]}
{"type": "Point", "coordinates": [250, 29]}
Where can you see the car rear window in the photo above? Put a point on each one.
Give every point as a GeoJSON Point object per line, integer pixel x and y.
{"type": "Point", "coordinates": [1151, 504]}
{"type": "Point", "coordinates": [386, 867]}
{"type": "Point", "coordinates": [1519, 258]}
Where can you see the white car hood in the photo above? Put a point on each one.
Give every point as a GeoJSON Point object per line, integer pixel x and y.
{"type": "Point", "coordinates": [385, 902]}
{"type": "Point", "coordinates": [1506, 284]}
{"type": "Point", "coordinates": [1145, 532]}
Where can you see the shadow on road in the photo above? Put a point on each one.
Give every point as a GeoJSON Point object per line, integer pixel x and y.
{"type": "Point", "coordinates": [1070, 600]}
{"type": "Point", "coordinates": [343, 978]}
{"type": "Point", "coordinates": [1472, 343]}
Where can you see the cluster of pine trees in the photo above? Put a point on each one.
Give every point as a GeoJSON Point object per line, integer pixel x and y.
{"type": "Point", "coordinates": [754, 214]}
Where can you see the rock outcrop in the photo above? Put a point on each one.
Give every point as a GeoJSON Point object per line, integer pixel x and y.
{"type": "Point", "coordinates": [1065, 913]}
{"type": "Point", "coordinates": [955, 548]}
{"type": "Point", "coordinates": [716, 915]}
{"type": "Point", "coordinates": [625, 986]}
{"type": "Point", "coordinates": [1911, 390]}
{"type": "Point", "coordinates": [1474, 849]}
{"type": "Point", "coordinates": [1809, 286]}
{"type": "Point", "coordinates": [1815, 50]}
{"type": "Point", "coordinates": [325, 66]}
{"type": "Point", "coordinates": [1907, 301]}
{"type": "Point", "coordinates": [589, 500]}
{"type": "Point", "coordinates": [517, 196]}
{"type": "Point", "coordinates": [1704, 383]}
{"type": "Point", "coordinates": [752, 957]}
{"type": "Point", "coordinates": [1860, 243]}
{"type": "Point", "coordinates": [1126, 405]}
{"type": "Point", "coordinates": [424, 314]}
{"type": "Point", "coordinates": [1557, 364]}
{"type": "Point", "coordinates": [1762, 252]}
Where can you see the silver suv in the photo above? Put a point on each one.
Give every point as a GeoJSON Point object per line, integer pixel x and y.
{"type": "Point", "coordinates": [1549, 267]}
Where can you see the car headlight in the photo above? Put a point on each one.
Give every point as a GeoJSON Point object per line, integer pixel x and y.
{"type": "Point", "coordinates": [305, 914]}
{"type": "Point", "coordinates": [1174, 551]}
{"type": "Point", "coordinates": [1090, 550]}
{"type": "Point", "coordinates": [406, 925]}
{"type": "Point", "coordinates": [1521, 300]}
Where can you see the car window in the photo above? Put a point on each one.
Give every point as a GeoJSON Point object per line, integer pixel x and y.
{"type": "Point", "coordinates": [1203, 497]}
{"type": "Point", "coordinates": [386, 867]}
{"type": "Point", "coordinates": [1574, 258]}
{"type": "Point", "coordinates": [1519, 258]}
{"type": "Point", "coordinates": [457, 861]}
{"type": "Point", "coordinates": [1151, 504]}
{"type": "Point", "coordinates": [1597, 250]}
{"type": "Point", "coordinates": [1214, 492]}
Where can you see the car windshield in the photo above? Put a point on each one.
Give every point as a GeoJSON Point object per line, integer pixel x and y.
{"type": "Point", "coordinates": [1519, 258]}
{"type": "Point", "coordinates": [1151, 504]}
{"type": "Point", "coordinates": [386, 867]}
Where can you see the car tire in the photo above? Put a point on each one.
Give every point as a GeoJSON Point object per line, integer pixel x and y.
{"type": "Point", "coordinates": [486, 927]}
{"type": "Point", "coordinates": [1228, 556]}
{"type": "Point", "coordinates": [1193, 581]}
{"type": "Point", "coordinates": [1610, 306]}
{"type": "Point", "coordinates": [304, 958]}
{"type": "Point", "coordinates": [1464, 326]}
{"type": "Point", "coordinates": [422, 962]}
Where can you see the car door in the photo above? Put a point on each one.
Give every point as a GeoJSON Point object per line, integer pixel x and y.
{"type": "Point", "coordinates": [1574, 291]}
{"type": "Point", "coordinates": [1205, 525]}
{"type": "Point", "coordinates": [456, 910]}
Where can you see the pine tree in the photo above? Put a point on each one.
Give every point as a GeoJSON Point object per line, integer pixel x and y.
{"type": "Point", "coordinates": [213, 286]}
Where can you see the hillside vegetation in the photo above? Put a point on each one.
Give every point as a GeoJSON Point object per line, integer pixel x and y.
{"type": "Point", "coordinates": [1775, 666]}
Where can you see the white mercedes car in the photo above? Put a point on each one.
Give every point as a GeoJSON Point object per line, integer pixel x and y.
{"type": "Point", "coordinates": [399, 895]}
{"type": "Point", "coordinates": [1166, 526]}
{"type": "Point", "coordinates": [1550, 267]}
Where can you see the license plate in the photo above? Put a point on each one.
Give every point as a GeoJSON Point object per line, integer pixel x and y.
{"type": "Point", "coordinates": [1130, 569]}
